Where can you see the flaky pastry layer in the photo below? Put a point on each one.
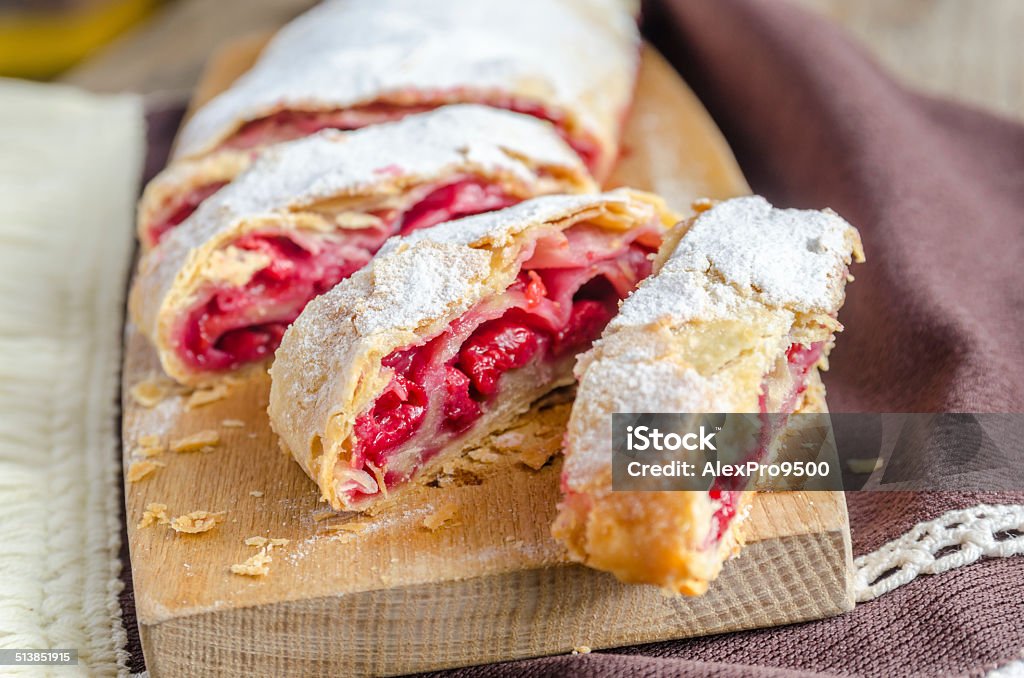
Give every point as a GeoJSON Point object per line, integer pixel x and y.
{"type": "Point", "coordinates": [328, 368]}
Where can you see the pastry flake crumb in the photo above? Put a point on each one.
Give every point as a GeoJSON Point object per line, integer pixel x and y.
{"type": "Point", "coordinates": [205, 396]}
{"type": "Point", "coordinates": [702, 205]}
{"type": "Point", "coordinates": [265, 542]}
{"type": "Point", "coordinates": [510, 440]}
{"type": "Point", "coordinates": [483, 455]}
{"type": "Point", "coordinates": [535, 458]}
{"type": "Point", "coordinates": [197, 522]}
{"type": "Point", "coordinates": [151, 392]}
{"type": "Point", "coordinates": [233, 423]}
{"type": "Point", "coordinates": [149, 440]}
{"type": "Point", "coordinates": [378, 475]}
{"type": "Point", "coordinates": [153, 451]}
{"type": "Point", "coordinates": [140, 470]}
{"type": "Point", "coordinates": [196, 442]}
{"type": "Point", "coordinates": [581, 649]}
{"type": "Point", "coordinates": [444, 516]}
{"type": "Point", "coordinates": [257, 565]}
{"type": "Point", "coordinates": [256, 493]}
{"type": "Point", "coordinates": [321, 516]}
{"type": "Point", "coordinates": [155, 514]}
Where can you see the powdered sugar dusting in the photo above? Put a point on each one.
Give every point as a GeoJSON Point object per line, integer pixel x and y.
{"type": "Point", "coordinates": [572, 56]}
{"type": "Point", "coordinates": [428, 273]}
{"type": "Point", "coordinates": [499, 227]}
{"type": "Point", "coordinates": [680, 295]}
{"type": "Point", "coordinates": [387, 162]}
{"type": "Point", "coordinates": [739, 258]}
{"type": "Point", "coordinates": [429, 146]}
{"type": "Point", "coordinates": [415, 286]}
{"type": "Point", "coordinates": [629, 382]}
{"type": "Point", "coordinates": [744, 251]}
{"type": "Point", "coordinates": [784, 257]}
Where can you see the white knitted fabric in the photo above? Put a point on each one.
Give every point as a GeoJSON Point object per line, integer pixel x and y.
{"type": "Point", "coordinates": [69, 173]}
{"type": "Point", "coordinates": [952, 540]}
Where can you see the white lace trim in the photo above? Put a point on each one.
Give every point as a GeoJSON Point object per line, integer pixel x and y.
{"type": "Point", "coordinates": [952, 540]}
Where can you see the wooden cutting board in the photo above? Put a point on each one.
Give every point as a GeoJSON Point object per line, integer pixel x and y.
{"type": "Point", "coordinates": [361, 595]}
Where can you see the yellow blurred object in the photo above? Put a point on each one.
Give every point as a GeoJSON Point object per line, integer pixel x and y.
{"type": "Point", "coordinates": [41, 44]}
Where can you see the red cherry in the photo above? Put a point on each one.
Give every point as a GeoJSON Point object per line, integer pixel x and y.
{"type": "Point", "coordinates": [251, 343]}
{"type": "Point", "coordinates": [460, 410]}
{"type": "Point", "coordinates": [535, 290]}
{"type": "Point", "coordinates": [460, 199]}
{"type": "Point", "coordinates": [184, 210]}
{"type": "Point", "coordinates": [586, 321]}
{"type": "Point", "coordinates": [393, 419]}
{"type": "Point", "coordinates": [401, 361]}
{"type": "Point", "coordinates": [495, 348]}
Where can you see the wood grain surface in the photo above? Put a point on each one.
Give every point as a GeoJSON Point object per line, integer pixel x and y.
{"type": "Point", "coordinates": [385, 594]}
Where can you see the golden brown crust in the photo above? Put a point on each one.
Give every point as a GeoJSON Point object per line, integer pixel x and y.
{"type": "Point", "coordinates": [607, 530]}
{"type": "Point", "coordinates": [734, 287]}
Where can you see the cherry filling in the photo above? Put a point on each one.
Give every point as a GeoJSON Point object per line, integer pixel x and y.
{"type": "Point", "coordinates": [288, 125]}
{"type": "Point", "coordinates": [181, 209]}
{"type": "Point", "coordinates": [566, 292]}
{"type": "Point", "coordinates": [461, 199]}
{"type": "Point", "coordinates": [395, 416]}
{"type": "Point", "coordinates": [800, 360]}
{"type": "Point", "coordinates": [237, 324]}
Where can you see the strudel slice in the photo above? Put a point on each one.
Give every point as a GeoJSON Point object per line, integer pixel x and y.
{"type": "Point", "coordinates": [220, 289]}
{"type": "Point", "coordinates": [449, 333]}
{"type": "Point", "coordinates": [347, 64]}
{"type": "Point", "coordinates": [739, 317]}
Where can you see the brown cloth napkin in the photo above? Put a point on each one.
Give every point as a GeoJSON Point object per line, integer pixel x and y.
{"type": "Point", "coordinates": [933, 320]}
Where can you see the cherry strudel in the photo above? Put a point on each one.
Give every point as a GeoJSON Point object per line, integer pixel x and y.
{"type": "Point", "coordinates": [220, 289]}
{"type": "Point", "coordinates": [739, 317]}
{"type": "Point", "coordinates": [347, 64]}
{"type": "Point", "coordinates": [449, 333]}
